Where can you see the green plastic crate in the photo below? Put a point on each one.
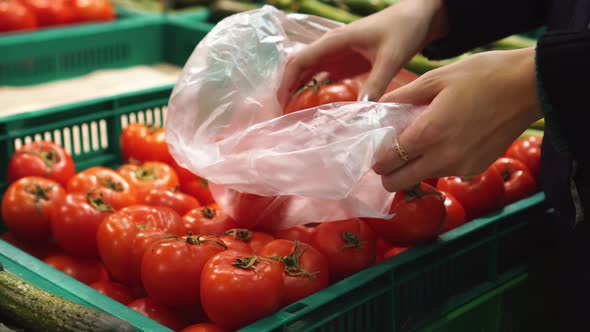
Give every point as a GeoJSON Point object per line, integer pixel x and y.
{"type": "Point", "coordinates": [399, 294]}
{"type": "Point", "coordinates": [61, 53]}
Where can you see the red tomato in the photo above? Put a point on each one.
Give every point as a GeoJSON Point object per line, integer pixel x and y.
{"type": "Point", "coordinates": [149, 175]}
{"type": "Point", "coordinates": [418, 215]}
{"type": "Point", "coordinates": [51, 12]}
{"type": "Point", "coordinates": [479, 195]}
{"type": "Point", "coordinates": [455, 213]}
{"type": "Point", "coordinates": [115, 189]}
{"type": "Point", "coordinates": [43, 159]}
{"type": "Point", "coordinates": [198, 188]}
{"type": "Point", "coordinates": [321, 93]}
{"type": "Point", "coordinates": [171, 270]}
{"type": "Point", "coordinates": [238, 289]}
{"type": "Point", "coordinates": [16, 17]}
{"type": "Point", "coordinates": [118, 232]}
{"type": "Point", "coordinates": [349, 245]}
{"type": "Point", "coordinates": [206, 220]}
{"type": "Point", "coordinates": [179, 202]}
{"type": "Point", "coordinates": [383, 246]}
{"type": "Point", "coordinates": [86, 270]}
{"type": "Point", "coordinates": [306, 269]}
{"type": "Point", "coordinates": [75, 222]}
{"type": "Point", "coordinates": [93, 11]}
{"type": "Point", "coordinates": [162, 314]}
{"type": "Point", "coordinates": [27, 206]}
{"type": "Point", "coordinates": [297, 233]}
{"type": "Point", "coordinates": [254, 211]}
{"type": "Point", "coordinates": [117, 292]}
{"type": "Point", "coordinates": [184, 175]}
{"type": "Point", "coordinates": [203, 327]}
{"type": "Point", "coordinates": [142, 143]}
{"type": "Point", "coordinates": [39, 249]}
{"type": "Point", "coordinates": [394, 251]}
{"type": "Point", "coordinates": [144, 241]}
{"type": "Point", "coordinates": [527, 150]}
{"type": "Point", "coordinates": [518, 179]}
{"type": "Point", "coordinates": [241, 239]}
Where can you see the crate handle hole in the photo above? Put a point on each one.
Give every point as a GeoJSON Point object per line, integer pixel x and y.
{"type": "Point", "coordinates": [295, 307]}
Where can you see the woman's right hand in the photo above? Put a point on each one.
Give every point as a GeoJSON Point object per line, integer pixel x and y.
{"type": "Point", "coordinates": [388, 39]}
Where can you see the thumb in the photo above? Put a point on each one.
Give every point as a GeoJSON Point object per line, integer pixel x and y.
{"type": "Point", "coordinates": [384, 69]}
{"type": "Point", "coordinates": [419, 92]}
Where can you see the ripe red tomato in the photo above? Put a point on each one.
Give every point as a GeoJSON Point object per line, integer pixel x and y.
{"type": "Point", "coordinates": [115, 189]}
{"type": "Point", "coordinates": [142, 143]}
{"type": "Point", "coordinates": [238, 289]}
{"type": "Point", "coordinates": [479, 195]}
{"type": "Point", "coordinates": [322, 93]}
{"type": "Point", "coordinates": [115, 291]}
{"type": "Point", "coordinates": [184, 175]}
{"type": "Point", "coordinates": [394, 251]}
{"type": "Point", "coordinates": [171, 270]}
{"type": "Point", "coordinates": [16, 17]}
{"type": "Point", "coordinates": [43, 159]}
{"type": "Point", "coordinates": [93, 11]}
{"type": "Point", "coordinates": [455, 213]}
{"type": "Point", "coordinates": [241, 239]}
{"type": "Point", "coordinates": [203, 327]}
{"type": "Point", "coordinates": [179, 202]}
{"type": "Point", "coordinates": [527, 150]}
{"type": "Point", "coordinates": [254, 211]}
{"type": "Point", "coordinates": [149, 175]}
{"type": "Point", "coordinates": [39, 249]}
{"type": "Point", "coordinates": [296, 233]}
{"type": "Point", "coordinates": [86, 270]}
{"type": "Point", "coordinates": [349, 245]}
{"type": "Point", "coordinates": [518, 179]}
{"type": "Point", "coordinates": [27, 206]}
{"type": "Point", "coordinates": [198, 188]}
{"type": "Point", "coordinates": [118, 232]}
{"type": "Point", "coordinates": [162, 314]}
{"type": "Point", "coordinates": [418, 215]}
{"type": "Point", "coordinates": [306, 269]}
{"type": "Point", "coordinates": [206, 220]}
{"type": "Point", "coordinates": [382, 247]}
{"type": "Point", "coordinates": [51, 12]}
{"type": "Point", "coordinates": [75, 222]}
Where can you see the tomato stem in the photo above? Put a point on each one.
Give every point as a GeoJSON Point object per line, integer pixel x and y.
{"type": "Point", "coordinates": [152, 127]}
{"type": "Point", "coordinates": [506, 172]}
{"type": "Point", "coordinates": [415, 192]}
{"type": "Point", "coordinates": [241, 234]}
{"type": "Point", "coordinates": [196, 240]}
{"type": "Point", "coordinates": [108, 182]}
{"type": "Point", "coordinates": [98, 202]}
{"type": "Point", "coordinates": [292, 266]}
{"type": "Point", "coordinates": [204, 183]}
{"type": "Point", "coordinates": [351, 240]}
{"type": "Point", "coordinates": [208, 212]}
{"type": "Point", "coordinates": [146, 173]}
{"type": "Point", "coordinates": [39, 193]}
{"type": "Point", "coordinates": [49, 158]}
{"type": "Point", "coordinates": [249, 262]}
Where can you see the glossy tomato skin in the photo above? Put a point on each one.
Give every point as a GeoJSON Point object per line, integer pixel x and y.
{"type": "Point", "coordinates": [42, 159]}
{"type": "Point", "coordinates": [203, 327]}
{"type": "Point", "coordinates": [162, 314]}
{"type": "Point", "coordinates": [306, 269]}
{"type": "Point", "coordinates": [207, 220]}
{"type": "Point", "coordinates": [455, 213]}
{"type": "Point", "coordinates": [394, 251]}
{"type": "Point", "coordinates": [75, 222]}
{"type": "Point", "coordinates": [179, 202]}
{"type": "Point", "coordinates": [51, 12]}
{"type": "Point", "coordinates": [418, 215]}
{"type": "Point", "coordinates": [118, 232]}
{"type": "Point", "coordinates": [142, 143]}
{"type": "Point", "coordinates": [171, 270]}
{"type": "Point", "coordinates": [527, 150]}
{"type": "Point", "coordinates": [184, 175]}
{"type": "Point", "coordinates": [296, 233]}
{"type": "Point", "coordinates": [321, 94]}
{"type": "Point", "coordinates": [226, 288]}
{"type": "Point", "coordinates": [149, 175]}
{"type": "Point", "coordinates": [86, 270]}
{"type": "Point", "coordinates": [27, 206]}
{"type": "Point", "coordinates": [244, 240]}
{"type": "Point", "coordinates": [14, 16]}
{"type": "Point", "coordinates": [199, 189]}
{"type": "Point", "coordinates": [93, 11]}
{"type": "Point", "coordinates": [519, 182]}
{"type": "Point", "coordinates": [39, 249]}
{"type": "Point", "coordinates": [349, 245]}
{"type": "Point", "coordinates": [115, 189]}
{"type": "Point", "coordinates": [115, 291]}
{"type": "Point", "coordinates": [479, 195]}
{"type": "Point", "coordinates": [254, 211]}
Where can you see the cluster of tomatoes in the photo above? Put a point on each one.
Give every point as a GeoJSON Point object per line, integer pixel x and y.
{"type": "Point", "coordinates": [28, 15]}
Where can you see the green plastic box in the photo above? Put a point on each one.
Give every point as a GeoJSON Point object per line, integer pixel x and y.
{"type": "Point", "coordinates": [400, 294]}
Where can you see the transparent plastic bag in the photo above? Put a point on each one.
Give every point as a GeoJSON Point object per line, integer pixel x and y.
{"type": "Point", "coordinates": [225, 124]}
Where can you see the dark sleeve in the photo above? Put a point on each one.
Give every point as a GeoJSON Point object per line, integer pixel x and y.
{"type": "Point", "coordinates": [563, 79]}
{"type": "Point", "coordinates": [473, 23]}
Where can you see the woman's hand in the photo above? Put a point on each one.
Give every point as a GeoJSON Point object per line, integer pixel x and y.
{"type": "Point", "coordinates": [477, 107]}
{"type": "Point", "coordinates": [388, 39]}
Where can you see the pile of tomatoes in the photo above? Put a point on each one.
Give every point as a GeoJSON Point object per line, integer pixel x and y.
{"type": "Point", "coordinates": [150, 235]}
{"type": "Point", "coordinates": [28, 15]}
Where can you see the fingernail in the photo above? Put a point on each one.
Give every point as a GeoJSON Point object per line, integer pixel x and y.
{"type": "Point", "coordinates": [365, 97]}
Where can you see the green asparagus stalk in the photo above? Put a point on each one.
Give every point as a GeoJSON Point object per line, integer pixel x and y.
{"type": "Point", "coordinates": [221, 9]}
{"type": "Point", "coordinates": [512, 43]}
{"type": "Point", "coordinates": [364, 7]}
{"type": "Point", "coordinates": [419, 64]}
{"type": "Point", "coordinates": [315, 7]}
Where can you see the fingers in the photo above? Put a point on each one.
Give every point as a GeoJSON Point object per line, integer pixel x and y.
{"type": "Point", "coordinates": [384, 69]}
{"type": "Point", "coordinates": [419, 92]}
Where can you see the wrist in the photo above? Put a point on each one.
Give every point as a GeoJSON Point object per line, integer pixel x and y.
{"type": "Point", "coordinates": [526, 75]}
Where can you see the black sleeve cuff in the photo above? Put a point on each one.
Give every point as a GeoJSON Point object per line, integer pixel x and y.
{"type": "Point", "coordinates": [476, 23]}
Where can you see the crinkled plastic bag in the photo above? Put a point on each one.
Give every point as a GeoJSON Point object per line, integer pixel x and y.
{"type": "Point", "coordinates": [225, 124]}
